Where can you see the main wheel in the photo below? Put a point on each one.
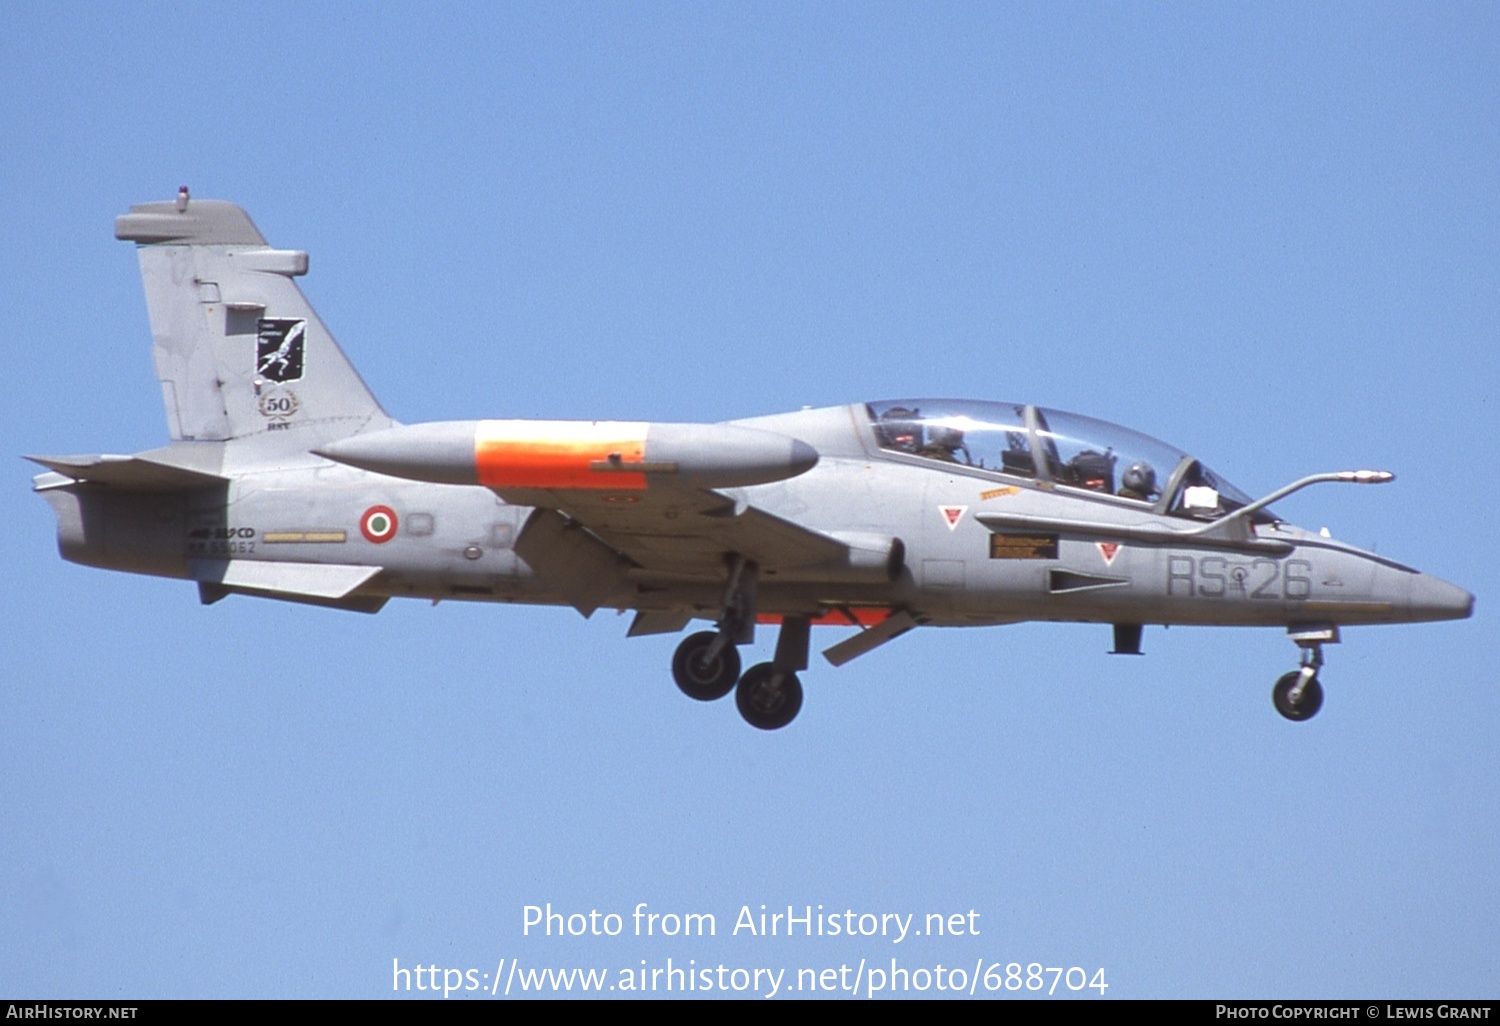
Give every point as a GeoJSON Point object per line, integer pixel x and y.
{"type": "Point", "coordinates": [702, 680]}
{"type": "Point", "coordinates": [1306, 707]}
{"type": "Point", "coordinates": [767, 699]}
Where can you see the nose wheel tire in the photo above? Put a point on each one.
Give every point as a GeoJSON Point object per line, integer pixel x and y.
{"type": "Point", "coordinates": [768, 699]}
{"type": "Point", "coordinates": [705, 680]}
{"type": "Point", "coordinates": [1306, 705]}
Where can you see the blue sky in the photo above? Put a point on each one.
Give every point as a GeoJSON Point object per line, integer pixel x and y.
{"type": "Point", "coordinates": [1267, 234]}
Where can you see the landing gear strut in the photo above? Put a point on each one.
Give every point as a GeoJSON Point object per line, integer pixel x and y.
{"type": "Point", "coordinates": [1298, 695]}
{"type": "Point", "coordinates": [706, 665]}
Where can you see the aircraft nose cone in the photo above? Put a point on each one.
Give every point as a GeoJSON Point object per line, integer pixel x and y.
{"type": "Point", "coordinates": [1433, 598]}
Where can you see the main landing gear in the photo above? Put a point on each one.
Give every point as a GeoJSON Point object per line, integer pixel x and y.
{"type": "Point", "coordinates": [768, 698]}
{"type": "Point", "coordinates": [768, 695]}
{"type": "Point", "coordinates": [1298, 695]}
{"type": "Point", "coordinates": [706, 665]}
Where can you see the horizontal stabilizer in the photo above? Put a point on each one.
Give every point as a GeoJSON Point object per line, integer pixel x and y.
{"type": "Point", "coordinates": [204, 222]}
{"type": "Point", "coordinates": [282, 580]}
{"type": "Point", "coordinates": [136, 473]}
{"type": "Point", "coordinates": [209, 593]}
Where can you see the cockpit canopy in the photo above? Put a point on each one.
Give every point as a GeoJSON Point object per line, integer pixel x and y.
{"type": "Point", "coordinates": [1062, 449]}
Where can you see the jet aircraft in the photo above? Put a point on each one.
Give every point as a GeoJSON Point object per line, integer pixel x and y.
{"type": "Point", "coordinates": [285, 479]}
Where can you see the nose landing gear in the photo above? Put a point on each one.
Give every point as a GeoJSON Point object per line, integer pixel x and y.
{"type": "Point", "coordinates": [1298, 695]}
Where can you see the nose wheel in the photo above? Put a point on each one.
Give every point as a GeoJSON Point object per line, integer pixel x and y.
{"type": "Point", "coordinates": [1298, 699]}
{"type": "Point", "coordinates": [1297, 695]}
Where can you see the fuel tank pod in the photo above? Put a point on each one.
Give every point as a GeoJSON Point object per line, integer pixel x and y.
{"type": "Point", "coordinates": [566, 454]}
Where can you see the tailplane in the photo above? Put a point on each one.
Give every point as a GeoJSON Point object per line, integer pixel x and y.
{"type": "Point", "coordinates": [241, 355]}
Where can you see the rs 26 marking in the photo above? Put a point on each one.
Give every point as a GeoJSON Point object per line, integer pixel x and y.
{"type": "Point", "coordinates": [1220, 577]}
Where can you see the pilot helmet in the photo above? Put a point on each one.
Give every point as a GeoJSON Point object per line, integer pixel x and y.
{"type": "Point", "coordinates": [1139, 478]}
{"type": "Point", "coordinates": [946, 437]}
{"type": "Point", "coordinates": [901, 428]}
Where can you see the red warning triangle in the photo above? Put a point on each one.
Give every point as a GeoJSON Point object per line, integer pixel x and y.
{"type": "Point", "coordinates": [952, 515]}
{"type": "Point", "coordinates": [1108, 551]}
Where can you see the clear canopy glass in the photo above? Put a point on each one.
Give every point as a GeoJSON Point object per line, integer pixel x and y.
{"type": "Point", "coordinates": [1054, 446]}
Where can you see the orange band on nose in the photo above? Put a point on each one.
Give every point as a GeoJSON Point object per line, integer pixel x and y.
{"type": "Point", "coordinates": [559, 454]}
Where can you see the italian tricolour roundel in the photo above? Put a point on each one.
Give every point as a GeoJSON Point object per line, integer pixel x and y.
{"type": "Point", "coordinates": [378, 524]}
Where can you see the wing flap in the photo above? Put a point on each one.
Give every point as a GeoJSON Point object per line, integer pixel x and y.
{"type": "Point", "coordinates": [582, 569]}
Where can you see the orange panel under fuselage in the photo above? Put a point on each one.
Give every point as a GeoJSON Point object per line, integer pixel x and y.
{"type": "Point", "coordinates": [863, 616]}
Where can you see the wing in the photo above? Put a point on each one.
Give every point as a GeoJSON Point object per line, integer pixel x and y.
{"type": "Point", "coordinates": [670, 531]}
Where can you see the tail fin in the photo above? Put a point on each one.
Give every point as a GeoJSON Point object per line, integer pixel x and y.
{"type": "Point", "coordinates": [240, 353]}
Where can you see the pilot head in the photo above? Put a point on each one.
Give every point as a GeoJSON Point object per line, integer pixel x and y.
{"type": "Point", "coordinates": [1138, 481]}
{"type": "Point", "coordinates": [945, 437]}
{"type": "Point", "coordinates": [901, 429]}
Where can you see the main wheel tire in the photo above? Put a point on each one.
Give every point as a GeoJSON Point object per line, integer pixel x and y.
{"type": "Point", "coordinates": [768, 700]}
{"type": "Point", "coordinates": [1307, 706]}
{"type": "Point", "coordinates": [704, 681]}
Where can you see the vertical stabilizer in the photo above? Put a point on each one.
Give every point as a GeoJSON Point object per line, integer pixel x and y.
{"type": "Point", "coordinates": [240, 353]}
